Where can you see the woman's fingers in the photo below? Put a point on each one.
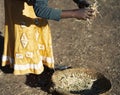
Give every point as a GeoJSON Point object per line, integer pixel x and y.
{"type": "Point", "coordinates": [90, 10]}
{"type": "Point", "coordinates": [89, 13]}
{"type": "Point", "coordinates": [84, 14]}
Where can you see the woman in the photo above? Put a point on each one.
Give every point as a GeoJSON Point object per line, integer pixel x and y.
{"type": "Point", "coordinates": [27, 43]}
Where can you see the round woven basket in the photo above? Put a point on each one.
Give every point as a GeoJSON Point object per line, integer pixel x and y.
{"type": "Point", "coordinates": [80, 81]}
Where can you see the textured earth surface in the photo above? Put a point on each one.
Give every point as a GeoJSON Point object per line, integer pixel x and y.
{"type": "Point", "coordinates": [75, 44]}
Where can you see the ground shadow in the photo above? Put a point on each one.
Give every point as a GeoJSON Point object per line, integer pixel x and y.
{"type": "Point", "coordinates": [43, 80]}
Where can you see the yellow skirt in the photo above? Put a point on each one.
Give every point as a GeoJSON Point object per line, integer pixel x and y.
{"type": "Point", "coordinates": [27, 39]}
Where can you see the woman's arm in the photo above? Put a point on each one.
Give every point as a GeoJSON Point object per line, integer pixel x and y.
{"type": "Point", "coordinates": [42, 10]}
{"type": "Point", "coordinates": [82, 14]}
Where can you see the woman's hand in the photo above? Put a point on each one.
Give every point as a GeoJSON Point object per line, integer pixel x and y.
{"type": "Point", "coordinates": [84, 14]}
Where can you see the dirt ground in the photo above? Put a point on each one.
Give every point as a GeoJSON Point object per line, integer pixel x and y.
{"type": "Point", "coordinates": [76, 44]}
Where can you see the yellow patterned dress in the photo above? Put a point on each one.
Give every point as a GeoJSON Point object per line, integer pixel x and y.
{"type": "Point", "coordinates": [27, 43]}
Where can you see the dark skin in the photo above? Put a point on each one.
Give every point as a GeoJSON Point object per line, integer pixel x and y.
{"type": "Point", "coordinates": [82, 14]}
